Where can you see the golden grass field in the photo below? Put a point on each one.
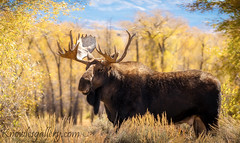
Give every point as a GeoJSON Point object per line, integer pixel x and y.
{"type": "Point", "coordinates": [136, 130]}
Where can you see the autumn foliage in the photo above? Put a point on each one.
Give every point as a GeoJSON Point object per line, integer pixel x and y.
{"type": "Point", "coordinates": [38, 89]}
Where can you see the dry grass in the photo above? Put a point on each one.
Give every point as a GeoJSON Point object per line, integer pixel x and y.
{"type": "Point", "coordinates": [138, 129]}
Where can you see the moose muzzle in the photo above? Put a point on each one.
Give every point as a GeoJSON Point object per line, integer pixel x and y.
{"type": "Point", "coordinates": [84, 85]}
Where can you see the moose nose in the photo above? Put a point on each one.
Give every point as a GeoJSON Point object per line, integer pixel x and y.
{"type": "Point", "coordinates": [84, 85]}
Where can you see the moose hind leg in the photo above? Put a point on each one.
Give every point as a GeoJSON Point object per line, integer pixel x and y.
{"type": "Point", "coordinates": [199, 127]}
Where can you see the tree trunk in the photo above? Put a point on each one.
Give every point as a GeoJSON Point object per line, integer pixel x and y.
{"type": "Point", "coordinates": [58, 63]}
{"type": "Point", "coordinates": [28, 108]}
{"type": "Point", "coordinates": [184, 63]}
{"type": "Point", "coordinates": [81, 114]}
{"type": "Point", "coordinates": [44, 59]}
{"type": "Point", "coordinates": [43, 105]}
{"type": "Point", "coordinates": [202, 57]}
{"type": "Point", "coordinates": [162, 61]}
{"type": "Point", "coordinates": [36, 105]}
{"type": "Point", "coordinates": [109, 35]}
{"type": "Point", "coordinates": [162, 50]}
{"type": "Point", "coordinates": [137, 51]}
{"type": "Point", "coordinates": [60, 87]}
{"type": "Point", "coordinates": [71, 91]}
{"type": "Point", "coordinates": [81, 109]}
{"type": "Point", "coordinates": [75, 109]}
{"type": "Point", "coordinates": [92, 116]}
{"type": "Point", "coordinates": [188, 64]}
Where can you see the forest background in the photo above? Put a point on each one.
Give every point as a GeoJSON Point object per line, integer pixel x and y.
{"type": "Point", "coordinates": [39, 89]}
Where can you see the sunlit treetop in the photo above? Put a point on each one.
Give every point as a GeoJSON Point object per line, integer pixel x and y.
{"type": "Point", "coordinates": [229, 21]}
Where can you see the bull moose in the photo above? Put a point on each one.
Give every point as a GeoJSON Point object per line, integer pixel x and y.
{"type": "Point", "coordinates": [131, 88]}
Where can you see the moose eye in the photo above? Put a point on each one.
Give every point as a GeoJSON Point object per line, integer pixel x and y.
{"type": "Point", "coordinates": [100, 70]}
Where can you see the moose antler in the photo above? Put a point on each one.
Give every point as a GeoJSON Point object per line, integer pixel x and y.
{"type": "Point", "coordinates": [85, 45]}
{"type": "Point", "coordinates": [107, 56]}
{"type": "Point", "coordinates": [113, 58]}
{"type": "Point", "coordinates": [73, 52]}
{"type": "Point", "coordinates": [126, 48]}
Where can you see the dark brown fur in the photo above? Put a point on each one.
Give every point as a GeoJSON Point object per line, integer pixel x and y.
{"type": "Point", "coordinates": [130, 88]}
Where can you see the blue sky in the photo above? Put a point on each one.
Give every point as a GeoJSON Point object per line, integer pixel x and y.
{"type": "Point", "coordinates": [101, 11]}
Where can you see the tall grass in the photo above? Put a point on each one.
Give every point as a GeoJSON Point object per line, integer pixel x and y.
{"type": "Point", "coordinates": [138, 129]}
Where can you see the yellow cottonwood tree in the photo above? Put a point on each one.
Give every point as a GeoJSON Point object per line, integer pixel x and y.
{"type": "Point", "coordinates": [20, 74]}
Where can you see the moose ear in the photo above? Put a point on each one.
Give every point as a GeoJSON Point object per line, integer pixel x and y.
{"type": "Point", "coordinates": [94, 100]}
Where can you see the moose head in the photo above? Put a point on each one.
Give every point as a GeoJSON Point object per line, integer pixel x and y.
{"type": "Point", "coordinates": [97, 70]}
